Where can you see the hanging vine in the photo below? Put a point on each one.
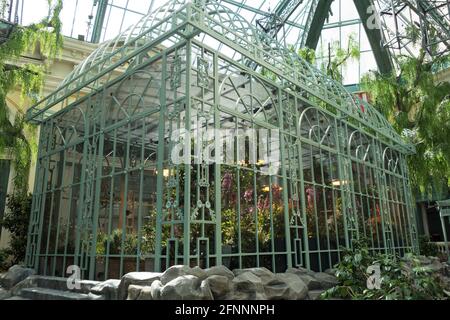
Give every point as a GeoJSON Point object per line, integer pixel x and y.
{"type": "Point", "coordinates": [17, 137]}
{"type": "Point", "coordinates": [419, 109]}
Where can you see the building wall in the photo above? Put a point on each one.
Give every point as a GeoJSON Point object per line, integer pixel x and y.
{"type": "Point", "coordinates": [73, 53]}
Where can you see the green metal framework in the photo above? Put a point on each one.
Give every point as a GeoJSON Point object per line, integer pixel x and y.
{"type": "Point", "coordinates": [110, 198]}
{"type": "Point", "coordinates": [444, 212]}
{"type": "Point", "coordinates": [99, 20]}
{"type": "Point", "coordinates": [409, 25]}
{"type": "Point", "coordinates": [6, 28]}
{"type": "Point", "coordinates": [375, 36]}
{"type": "Point", "coordinates": [321, 14]}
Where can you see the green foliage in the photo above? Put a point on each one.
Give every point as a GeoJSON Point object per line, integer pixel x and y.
{"type": "Point", "coordinates": [16, 136]}
{"type": "Point", "coordinates": [339, 57]}
{"type": "Point", "coordinates": [400, 279]}
{"type": "Point", "coordinates": [307, 54]}
{"type": "Point", "coordinates": [149, 236]}
{"type": "Point", "coordinates": [261, 210]}
{"type": "Point", "coordinates": [131, 243]}
{"type": "Point", "coordinates": [229, 227]}
{"type": "Point", "coordinates": [414, 33]}
{"type": "Point", "coordinates": [4, 256]}
{"type": "Point", "coordinates": [16, 221]}
{"type": "Point", "coordinates": [419, 109]}
{"type": "Point", "coordinates": [101, 244]}
{"type": "Point", "coordinates": [46, 34]}
{"type": "Point", "coordinates": [114, 243]}
{"type": "Point", "coordinates": [427, 248]}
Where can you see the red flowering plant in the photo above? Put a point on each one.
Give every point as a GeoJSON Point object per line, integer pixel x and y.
{"type": "Point", "coordinates": [260, 206]}
{"type": "Point", "coordinates": [324, 213]}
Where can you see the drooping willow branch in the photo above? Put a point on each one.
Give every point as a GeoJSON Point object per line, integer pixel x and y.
{"type": "Point", "coordinates": [16, 136]}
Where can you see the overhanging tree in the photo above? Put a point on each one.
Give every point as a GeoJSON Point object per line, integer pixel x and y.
{"type": "Point", "coordinates": [16, 136]}
{"type": "Point", "coordinates": [419, 108]}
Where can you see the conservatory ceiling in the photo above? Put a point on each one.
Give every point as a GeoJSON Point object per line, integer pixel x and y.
{"type": "Point", "coordinates": [407, 25]}
{"type": "Point", "coordinates": [129, 49]}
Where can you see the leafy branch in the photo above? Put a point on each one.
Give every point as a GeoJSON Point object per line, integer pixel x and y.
{"type": "Point", "coordinates": [16, 136]}
{"type": "Point", "coordinates": [419, 108]}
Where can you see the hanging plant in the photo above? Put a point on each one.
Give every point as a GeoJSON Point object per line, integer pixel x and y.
{"type": "Point", "coordinates": [16, 136]}
{"type": "Point", "coordinates": [419, 109]}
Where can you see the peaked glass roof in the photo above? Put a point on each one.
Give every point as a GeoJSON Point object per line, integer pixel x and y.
{"type": "Point", "coordinates": [234, 29]}
{"type": "Point", "coordinates": [79, 15]}
{"type": "Point", "coordinates": [399, 20]}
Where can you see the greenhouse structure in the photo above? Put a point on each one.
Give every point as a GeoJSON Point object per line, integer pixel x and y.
{"type": "Point", "coordinates": [196, 138]}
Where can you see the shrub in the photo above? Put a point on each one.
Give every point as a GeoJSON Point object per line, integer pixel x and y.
{"type": "Point", "coordinates": [16, 221]}
{"type": "Point", "coordinates": [114, 242]}
{"type": "Point", "coordinates": [400, 279]}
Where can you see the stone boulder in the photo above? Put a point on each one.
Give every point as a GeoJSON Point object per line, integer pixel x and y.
{"type": "Point", "coordinates": [265, 275]}
{"type": "Point", "coordinates": [436, 266]}
{"type": "Point", "coordinates": [155, 290]}
{"type": "Point", "coordinates": [311, 282]}
{"type": "Point", "coordinates": [30, 282]}
{"type": "Point", "coordinates": [326, 281]}
{"type": "Point", "coordinates": [220, 271]}
{"type": "Point", "coordinates": [109, 289]}
{"type": "Point", "coordinates": [423, 260]}
{"type": "Point", "coordinates": [138, 279]}
{"type": "Point", "coordinates": [287, 286]}
{"type": "Point", "coordinates": [220, 286]}
{"type": "Point", "coordinates": [15, 275]}
{"type": "Point", "coordinates": [301, 271]}
{"type": "Point", "coordinates": [183, 288]}
{"type": "Point", "coordinates": [277, 290]}
{"type": "Point", "coordinates": [205, 291]}
{"type": "Point", "coordinates": [247, 286]}
{"type": "Point", "coordinates": [86, 285]}
{"type": "Point", "coordinates": [134, 292]}
{"type": "Point", "coordinates": [145, 294]}
{"type": "Point", "coordinates": [299, 289]}
{"type": "Point", "coordinates": [331, 272]}
{"type": "Point", "coordinates": [315, 294]}
{"type": "Point", "coordinates": [179, 271]}
{"type": "Point", "coordinates": [4, 294]}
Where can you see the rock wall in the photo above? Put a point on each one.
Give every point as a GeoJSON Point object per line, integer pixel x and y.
{"type": "Point", "coordinates": [219, 283]}
{"type": "Point", "coordinates": [185, 283]}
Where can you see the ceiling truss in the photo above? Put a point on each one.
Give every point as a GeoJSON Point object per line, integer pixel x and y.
{"type": "Point", "coordinates": [411, 25]}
